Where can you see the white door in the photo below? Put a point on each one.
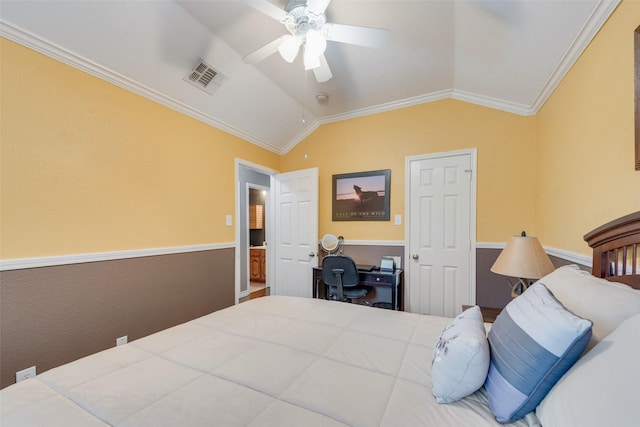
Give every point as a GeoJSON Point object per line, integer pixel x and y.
{"type": "Point", "coordinates": [440, 255]}
{"type": "Point", "coordinates": [296, 232]}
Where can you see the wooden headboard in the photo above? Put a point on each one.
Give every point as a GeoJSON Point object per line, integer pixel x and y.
{"type": "Point", "coordinates": [616, 250]}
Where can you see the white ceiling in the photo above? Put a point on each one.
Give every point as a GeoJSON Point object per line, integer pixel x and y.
{"type": "Point", "coordinates": [505, 54]}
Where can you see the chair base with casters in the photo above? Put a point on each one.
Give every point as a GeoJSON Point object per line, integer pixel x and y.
{"type": "Point", "coordinates": [341, 276]}
{"type": "Point", "coordinates": [348, 295]}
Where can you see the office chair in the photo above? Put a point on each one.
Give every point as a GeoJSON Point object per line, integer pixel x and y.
{"type": "Point", "coordinates": [340, 274]}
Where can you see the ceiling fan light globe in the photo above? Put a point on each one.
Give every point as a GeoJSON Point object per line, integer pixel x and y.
{"type": "Point", "coordinates": [315, 43]}
{"type": "Point", "coordinates": [289, 48]}
{"type": "Point", "coordinates": [310, 61]}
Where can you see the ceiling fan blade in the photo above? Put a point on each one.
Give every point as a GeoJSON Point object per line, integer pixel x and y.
{"type": "Point", "coordinates": [265, 51]}
{"type": "Point", "coordinates": [268, 9]}
{"type": "Point", "coordinates": [317, 7]}
{"type": "Point", "coordinates": [363, 36]}
{"type": "Point", "coordinates": [323, 72]}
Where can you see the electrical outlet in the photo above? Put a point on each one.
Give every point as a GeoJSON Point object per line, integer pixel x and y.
{"type": "Point", "coordinates": [25, 374]}
{"type": "Point", "coordinates": [121, 340]}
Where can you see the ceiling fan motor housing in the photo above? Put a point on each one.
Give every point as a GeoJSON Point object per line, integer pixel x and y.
{"type": "Point", "coordinates": [301, 19]}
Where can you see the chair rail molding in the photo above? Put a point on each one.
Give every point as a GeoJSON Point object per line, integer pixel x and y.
{"type": "Point", "coordinates": [581, 259]}
{"type": "Point", "coordinates": [49, 261]}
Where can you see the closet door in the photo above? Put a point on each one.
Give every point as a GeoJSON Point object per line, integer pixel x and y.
{"type": "Point", "coordinates": [441, 233]}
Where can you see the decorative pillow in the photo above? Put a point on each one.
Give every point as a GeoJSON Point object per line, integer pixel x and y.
{"type": "Point", "coordinates": [606, 304]}
{"type": "Point", "coordinates": [602, 388]}
{"type": "Point", "coordinates": [533, 342]}
{"type": "Point", "coordinates": [460, 358]}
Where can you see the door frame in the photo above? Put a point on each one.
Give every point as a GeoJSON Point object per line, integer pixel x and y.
{"type": "Point", "coordinates": [238, 211]}
{"type": "Point", "coordinates": [473, 153]}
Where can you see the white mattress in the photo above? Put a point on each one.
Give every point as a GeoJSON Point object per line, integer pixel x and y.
{"type": "Point", "coordinates": [272, 361]}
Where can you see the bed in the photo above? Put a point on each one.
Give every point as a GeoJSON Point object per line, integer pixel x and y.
{"type": "Point", "coordinates": [285, 361]}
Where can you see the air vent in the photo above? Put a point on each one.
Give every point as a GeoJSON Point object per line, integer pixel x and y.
{"type": "Point", "coordinates": [205, 77]}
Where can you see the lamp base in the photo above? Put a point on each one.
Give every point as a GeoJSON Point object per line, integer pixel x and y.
{"type": "Point", "coordinates": [519, 287]}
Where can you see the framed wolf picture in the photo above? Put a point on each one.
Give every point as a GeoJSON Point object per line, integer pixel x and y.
{"type": "Point", "coordinates": [361, 196]}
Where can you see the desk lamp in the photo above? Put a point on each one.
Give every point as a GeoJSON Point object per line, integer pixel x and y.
{"type": "Point", "coordinates": [524, 258]}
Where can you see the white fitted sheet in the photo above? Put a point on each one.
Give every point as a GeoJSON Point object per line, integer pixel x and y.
{"type": "Point", "coordinates": [272, 361]}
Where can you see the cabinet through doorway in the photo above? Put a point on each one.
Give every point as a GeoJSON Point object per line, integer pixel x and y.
{"type": "Point", "coordinates": [257, 265]}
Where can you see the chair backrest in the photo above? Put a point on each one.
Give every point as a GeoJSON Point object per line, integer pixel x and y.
{"type": "Point", "coordinates": [350, 276]}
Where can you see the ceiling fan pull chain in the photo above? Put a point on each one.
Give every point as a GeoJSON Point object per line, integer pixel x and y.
{"type": "Point", "coordinates": [304, 93]}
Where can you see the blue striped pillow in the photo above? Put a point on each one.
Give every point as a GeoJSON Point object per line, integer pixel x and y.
{"type": "Point", "coordinates": [533, 342]}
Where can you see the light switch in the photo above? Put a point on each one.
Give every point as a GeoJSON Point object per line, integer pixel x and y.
{"type": "Point", "coordinates": [228, 219]}
{"type": "Point", "coordinates": [397, 220]}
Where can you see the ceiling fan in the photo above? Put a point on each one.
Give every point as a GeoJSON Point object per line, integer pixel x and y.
{"type": "Point", "coordinates": [308, 28]}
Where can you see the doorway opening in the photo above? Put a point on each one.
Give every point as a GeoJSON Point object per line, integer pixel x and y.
{"type": "Point", "coordinates": [291, 234]}
{"type": "Point", "coordinates": [257, 245]}
{"type": "Point", "coordinates": [252, 179]}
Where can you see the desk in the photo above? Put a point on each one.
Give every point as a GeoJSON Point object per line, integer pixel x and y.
{"type": "Point", "coordinates": [384, 281]}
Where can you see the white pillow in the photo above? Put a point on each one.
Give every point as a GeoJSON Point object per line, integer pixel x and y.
{"type": "Point", "coordinates": [603, 387]}
{"type": "Point", "coordinates": [460, 358]}
{"type": "Point", "coordinates": [606, 304]}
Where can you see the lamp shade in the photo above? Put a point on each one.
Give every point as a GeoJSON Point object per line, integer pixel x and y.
{"type": "Point", "coordinates": [523, 257]}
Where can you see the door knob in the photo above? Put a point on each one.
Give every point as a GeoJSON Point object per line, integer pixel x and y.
{"type": "Point", "coordinates": [415, 256]}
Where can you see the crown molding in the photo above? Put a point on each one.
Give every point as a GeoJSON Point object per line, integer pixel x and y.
{"type": "Point", "coordinates": [49, 261]}
{"type": "Point", "coordinates": [380, 108]}
{"type": "Point", "coordinates": [600, 14]}
{"type": "Point", "coordinates": [30, 40]}
{"type": "Point", "coordinates": [495, 103]}
{"type": "Point", "coordinates": [598, 17]}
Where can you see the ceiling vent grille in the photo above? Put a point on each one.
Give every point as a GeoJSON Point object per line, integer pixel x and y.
{"type": "Point", "coordinates": [205, 77]}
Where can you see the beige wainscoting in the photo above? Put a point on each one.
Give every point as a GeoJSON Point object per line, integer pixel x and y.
{"type": "Point", "coordinates": [53, 315]}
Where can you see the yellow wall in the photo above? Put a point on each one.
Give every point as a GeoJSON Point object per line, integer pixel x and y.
{"type": "Point", "coordinates": [549, 174]}
{"type": "Point", "coordinates": [586, 173]}
{"type": "Point", "coordinates": [506, 162]}
{"type": "Point", "coordinates": [89, 167]}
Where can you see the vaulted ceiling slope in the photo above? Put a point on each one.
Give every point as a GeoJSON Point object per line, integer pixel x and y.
{"type": "Point", "coordinates": [508, 55]}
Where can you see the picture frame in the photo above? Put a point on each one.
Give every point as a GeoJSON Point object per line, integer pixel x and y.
{"type": "Point", "coordinates": [361, 196]}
